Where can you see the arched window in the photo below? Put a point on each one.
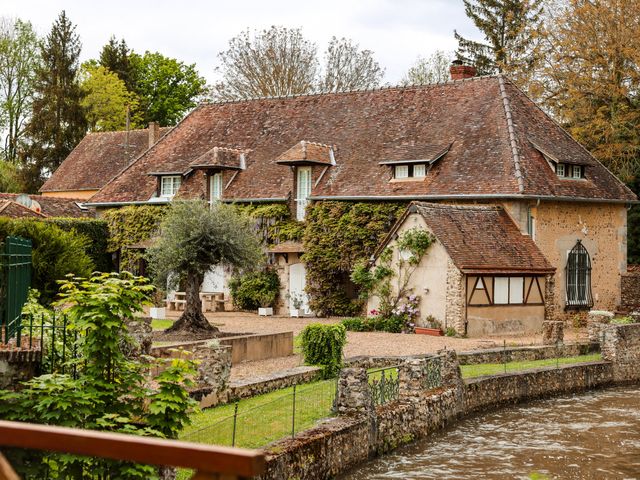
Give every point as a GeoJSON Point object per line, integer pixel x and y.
{"type": "Point", "coordinates": [578, 275]}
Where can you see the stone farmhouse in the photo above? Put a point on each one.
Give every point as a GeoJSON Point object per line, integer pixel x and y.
{"type": "Point", "coordinates": [528, 224]}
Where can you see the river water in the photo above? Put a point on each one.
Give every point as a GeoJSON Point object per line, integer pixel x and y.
{"type": "Point", "coordinates": [594, 435]}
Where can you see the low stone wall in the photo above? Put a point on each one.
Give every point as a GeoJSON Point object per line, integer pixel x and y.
{"type": "Point", "coordinates": [244, 348]}
{"type": "Point", "coordinates": [363, 431]}
{"type": "Point", "coordinates": [270, 383]}
{"type": "Point", "coordinates": [630, 290]}
{"type": "Point", "coordinates": [17, 366]}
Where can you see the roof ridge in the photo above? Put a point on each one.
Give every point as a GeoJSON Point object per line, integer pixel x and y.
{"type": "Point", "coordinates": [309, 142]}
{"type": "Point", "coordinates": [412, 86]}
{"type": "Point", "coordinates": [445, 206]}
{"type": "Point", "coordinates": [512, 134]}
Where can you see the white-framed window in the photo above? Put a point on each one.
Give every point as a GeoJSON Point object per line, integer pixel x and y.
{"type": "Point", "coordinates": [508, 290]}
{"type": "Point", "coordinates": [303, 191]}
{"type": "Point", "coordinates": [420, 170]}
{"type": "Point", "coordinates": [560, 169]}
{"type": "Point", "coordinates": [576, 171]}
{"type": "Point", "coordinates": [169, 185]}
{"type": "Point", "coordinates": [215, 187]}
{"type": "Point", "coordinates": [402, 171]}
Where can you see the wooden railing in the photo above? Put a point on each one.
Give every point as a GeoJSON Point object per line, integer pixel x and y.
{"type": "Point", "coordinates": [209, 462]}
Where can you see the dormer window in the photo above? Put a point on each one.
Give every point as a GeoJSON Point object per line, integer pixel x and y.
{"type": "Point", "coordinates": [215, 187]}
{"type": "Point", "coordinates": [169, 185]}
{"type": "Point", "coordinates": [564, 170]}
{"type": "Point", "coordinates": [418, 170]}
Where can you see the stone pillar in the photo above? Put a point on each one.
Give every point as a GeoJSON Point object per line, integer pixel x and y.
{"type": "Point", "coordinates": [596, 320]}
{"type": "Point", "coordinates": [141, 337]}
{"type": "Point", "coordinates": [455, 301]}
{"type": "Point", "coordinates": [552, 332]}
{"type": "Point", "coordinates": [354, 395]}
{"type": "Point", "coordinates": [412, 379]}
{"type": "Point", "coordinates": [621, 346]}
{"type": "Point", "coordinates": [450, 369]}
{"type": "Point", "coordinates": [213, 371]}
{"type": "Point", "coordinates": [549, 297]}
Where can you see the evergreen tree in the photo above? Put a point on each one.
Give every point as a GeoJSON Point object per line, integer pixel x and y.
{"type": "Point", "coordinates": [510, 29]}
{"type": "Point", "coordinates": [58, 121]}
{"type": "Point", "coordinates": [116, 56]}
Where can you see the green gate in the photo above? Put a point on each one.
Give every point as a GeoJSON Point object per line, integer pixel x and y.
{"type": "Point", "coordinates": [15, 280]}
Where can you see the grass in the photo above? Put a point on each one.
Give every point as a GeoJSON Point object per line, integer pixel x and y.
{"type": "Point", "coordinates": [264, 418]}
{"type": "Point", "coordinates": [471, 371]}
{"type": "Point", "coordinates": [157, 324]}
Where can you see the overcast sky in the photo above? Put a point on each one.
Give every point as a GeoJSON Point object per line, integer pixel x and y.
{"type": "Point", "coordinates": [398, 31]}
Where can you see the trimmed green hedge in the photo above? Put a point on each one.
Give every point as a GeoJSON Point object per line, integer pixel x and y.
{"type": "Point", "coordinates": [323, 345]}
{"type": "Point", "coordinates": [393, 324]}
{"type": "Point", "coordinates": [56, 253]}
{"type": "Point", "coordinates": [97, 231]}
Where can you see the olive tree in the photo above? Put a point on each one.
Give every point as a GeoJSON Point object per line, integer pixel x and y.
{"type": "Point", "coordinates": [194, 237]}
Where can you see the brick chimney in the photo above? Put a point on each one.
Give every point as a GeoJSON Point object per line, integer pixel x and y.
{"type": "Point", "coordinates": [459, 71]}
{"type": "Point", "coordinates": [154, 133]}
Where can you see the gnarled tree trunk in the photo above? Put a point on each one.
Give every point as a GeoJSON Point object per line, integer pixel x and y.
{"type": "Point", "coordinates": [193, 320]}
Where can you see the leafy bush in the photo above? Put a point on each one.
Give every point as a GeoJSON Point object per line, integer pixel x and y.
{"type": "Point", "coordinates": [56, 253]}
{"type": "Point", "coordinates": [323, 345]}
{"type": "Point", "coordinates": [112, 392]}
{"type": "Point", "coordinates": [255, 289]}
{"type": "Point", "coordinates": [623, 320]}
{"type": "Point", "coordinates": [97, 231]}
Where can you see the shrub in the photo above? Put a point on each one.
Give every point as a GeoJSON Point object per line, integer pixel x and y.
{"type": "Point", "coordinates": [623, 320]}
{"type": "Point", "coordinates": [97, 231]}
{"type": "Point", "coordinates": [323, 345]}
{"type": "Point", "coordinates": [255, 289]}
{"type": "Point", "coordinates": [391, 324]}
{"type": "Point", "coordinates": [355, 324]}
{"type": "Point", "coordinates": [56, 253]}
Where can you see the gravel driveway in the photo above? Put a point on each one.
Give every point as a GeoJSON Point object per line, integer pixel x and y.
{"type": "Point", "coordinates": [358, 343]}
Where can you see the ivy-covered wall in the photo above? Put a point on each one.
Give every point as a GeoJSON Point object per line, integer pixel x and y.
{"type": "Point", "coordinates": [97, 231]}
{"type": "Point", "coordinates": [274, 223]}
{"type": "Point", "coordinates": [338, 235]}
{"type": "Point", "coordinates": [130, 225]}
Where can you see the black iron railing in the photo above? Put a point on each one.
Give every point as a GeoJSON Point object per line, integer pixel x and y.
{"type": "Point", "coordinates": [384, 384]}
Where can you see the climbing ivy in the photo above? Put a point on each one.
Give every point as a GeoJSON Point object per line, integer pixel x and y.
{"type": "Point", "coordinates": [336, 237]}
{"type": "Point", "coordinates": [273, 222]}
{"type": "Point", "coordinates": [97, 231]}
{"type": "Point", "coordinates": [130, 225]}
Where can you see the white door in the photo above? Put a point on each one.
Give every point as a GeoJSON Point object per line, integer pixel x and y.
{"type": "Point", "coordinates": [297, 282]}
{"type": "Point", "coordinates": [214, 280]}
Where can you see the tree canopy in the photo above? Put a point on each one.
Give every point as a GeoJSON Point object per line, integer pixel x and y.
{"type": "Point", "coordinates": [195, 237]}
{"type": "Point", "coordinates": [349, 68]}
{"type": "Point", "coordinates": [432, 69]}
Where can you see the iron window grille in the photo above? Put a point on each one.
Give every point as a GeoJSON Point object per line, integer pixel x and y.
{"type": "Point", "coordinates": [578, 278]}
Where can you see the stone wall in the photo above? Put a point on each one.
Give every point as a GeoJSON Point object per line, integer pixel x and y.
{"type": "Point", "coordinates": [630, 295]}
{"type": "Point", "coordinates": [17, 366]}
{"type": "Point", "coordinates": [339, 444]}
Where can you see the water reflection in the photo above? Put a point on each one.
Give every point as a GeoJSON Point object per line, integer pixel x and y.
{"type": "Point", "coordinates": [587, 436]}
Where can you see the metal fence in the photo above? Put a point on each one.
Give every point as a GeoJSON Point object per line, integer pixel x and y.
{"type": "Point", "coordinates": [58, 343]}
{"type": "Point", "coordinates": [384, 384]}
{"type": "Point", "coordinates": [294, 410]}
{"type": "Point", "coordinates": [15, 279]}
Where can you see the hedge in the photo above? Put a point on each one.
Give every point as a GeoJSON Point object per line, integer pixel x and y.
{"type": "Point", "coordinates": [97, 231]}
{"type": "Point", "coordinates": [56, 253]}
{"type": "Point", "coordinates": [323, 345]}
{"type": "Point", "coordinates": [255, 289]}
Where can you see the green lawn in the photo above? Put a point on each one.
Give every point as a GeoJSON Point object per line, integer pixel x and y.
{"type": "Point", "coordinates": [263, 419]}
{"type": "Point", "coordinates": [157, 324]}
{"type": "Point", "coordinates": [470, 371]}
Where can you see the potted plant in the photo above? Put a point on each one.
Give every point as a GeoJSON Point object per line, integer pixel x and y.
{"type": "Point", "coordinates": [432, 327]}
{"type": "Point", "coordinates": [266, 304]}
{"type": "Point", "coordinates": [297, 302]}
{"type": "Point", "coordinates": [158, 310]}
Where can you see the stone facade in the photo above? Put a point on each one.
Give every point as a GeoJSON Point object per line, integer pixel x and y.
{"type": "Point", "coordinates": [602, 228]}
{"type": "Point", "coordinates": [596, 321]}
{"type": "Point", "coordinates": [354, 395]}
{"type": "Point", "coordinates": [621, 347]}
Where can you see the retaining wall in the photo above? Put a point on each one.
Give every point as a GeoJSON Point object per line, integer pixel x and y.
{"type": "Point", "coordinates": [17, 365]}
{"type": "Point", "coordinates": [363, 432]}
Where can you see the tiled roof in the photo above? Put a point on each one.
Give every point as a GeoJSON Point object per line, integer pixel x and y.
{"type": "Point", "coordinates": [97, 159]}
{"type": "Point", "coordinates": [483, 239]}
{"type": "Point", "coordinates": [486, 121]}
{"type": "Point", "coordinates": [219, 157]}
{"type": "Point", "coordinates": [411, 152]}
{"type": "Point", "coordinates": [11, 209]}
{"type": "Point", "coordinates": [55, 206]}
{"type": "Point", "coordinates": [307, 152]}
